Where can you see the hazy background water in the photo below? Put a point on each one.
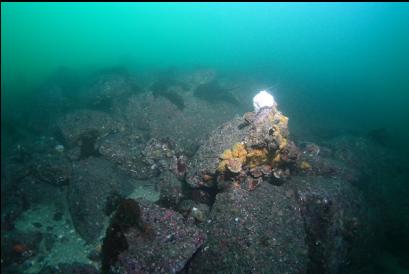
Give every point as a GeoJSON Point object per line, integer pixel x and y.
{"type": "Point", "coordinates": [336, 67]}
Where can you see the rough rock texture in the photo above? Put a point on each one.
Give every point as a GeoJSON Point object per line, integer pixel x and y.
{"type": "Point", "coordinates": [308, 225]}
{"type": "Point", "coordinates": [94, 181]}
{"type": "Point", "coordinates": [190, 208]}
{"type": "Point", "coordinates": [200, 212]}
{"type": "Point", "coordinates": [206, 159]}
{"type": "Point", "coordinates": [163, 245]}
{"type": "Point", "coordinates": [384, 176]}
{"type": "Point", "coordinates": [368, 165]}
{"type": "Point", "coordinates": [335, 222]}
{"type": "Point", "coordinates": [109, 86]}
{"type": "Point", "coordinates": [242, 144]}
{"type": "Point", "coordinates": [42, 161]}
{"type": "Point", "coordinates": [184, 128]}
{"type": "Point", "coordinates": [319, 161]}
{"type": "Point", "coordinates": [28, 157]}
{"type": "Point", "coordinates": [79, 126]}
{"type": "Point", "coordinates": [140, 159]}
{"type": "Point", "coordinates": [53, 169]}
{"type": "Point", "coordinates": [125, 150]}
{"type": "Point", "coordinates": [33, 172]}
{"type": "Point", "coordinates": [171, 192]}
{"type": "Point", "coordinates": [32, 191]}
{"type": "Point", "coordinates": [253, 232]}
{"type": "Point", "coordinates": [159, 155]}
{"type": "Point", "coordinates": [263, 204]}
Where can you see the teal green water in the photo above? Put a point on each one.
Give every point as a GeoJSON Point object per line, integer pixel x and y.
{"type": "Point", "coordinates": [337, 67]}
{"type": "Point", "coordinates": [348, 62]}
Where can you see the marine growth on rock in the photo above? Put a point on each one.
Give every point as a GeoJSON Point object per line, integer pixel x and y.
{"type": "Point", "coordinates": [265, 147]}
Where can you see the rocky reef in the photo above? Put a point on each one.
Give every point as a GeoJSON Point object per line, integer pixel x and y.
{"type": "Point", "coordinates": [276, 206]}
{"type": "Point", "coordinates": [231, 193]}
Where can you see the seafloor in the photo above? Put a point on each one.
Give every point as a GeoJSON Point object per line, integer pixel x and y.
{"type": "Point", "coordinates": [123, 173]}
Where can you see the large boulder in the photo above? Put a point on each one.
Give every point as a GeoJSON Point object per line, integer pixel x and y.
{"type": "Point", "coordinates": [83, 127]}
{"type": "Point", "coordinates": [206, 159]}
{"type": "Point", "coordinates": [144, 238]}
{"type": "Point", "coordinates": [139, 158]}
{"type": "Point", "coordinates": [94, 182]}
{"type": "Point", "coordinates": [125, 149]}
{"type": "Point", "coordinates": [308, 225]}
{"type": "Point", "coordinates": [336, 223]}
{"type": "Point", "coordinates": [260, 231]}
{"type": "Point", "coordinates": [185, 128]}
{"type": "Point", "coordinates": [242, 145]}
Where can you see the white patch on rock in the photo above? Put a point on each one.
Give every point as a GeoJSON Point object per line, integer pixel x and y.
{"type": "Point", "coordinates": [263, 99]}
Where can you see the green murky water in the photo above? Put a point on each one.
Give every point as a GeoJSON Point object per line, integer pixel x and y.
{"type": "Point", "coordinates": [336, 69]}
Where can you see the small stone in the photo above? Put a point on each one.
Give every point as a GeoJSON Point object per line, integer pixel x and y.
{"type": "Point", "coordinates": [200, 212]}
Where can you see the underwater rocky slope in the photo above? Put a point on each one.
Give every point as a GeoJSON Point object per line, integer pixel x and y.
{"type": "Point", "coordinates": [155, 176]}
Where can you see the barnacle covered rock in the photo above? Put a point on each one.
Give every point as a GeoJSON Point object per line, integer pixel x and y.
{"type": "Point", "coordinates": [243, 144]}
{"type": "Point", "coordinates": [257, 157]}
{"type": "Point", "coordinates": [265, 142]}
{"type": "Point", "coordinates": [233, 159]}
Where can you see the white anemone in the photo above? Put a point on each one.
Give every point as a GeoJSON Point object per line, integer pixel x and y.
{"type": "Point", "coordinates": [263, 99]}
